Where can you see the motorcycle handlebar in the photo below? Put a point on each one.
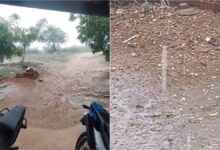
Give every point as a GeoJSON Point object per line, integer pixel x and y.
{"type": "Point", "coordinates": [85, 106]}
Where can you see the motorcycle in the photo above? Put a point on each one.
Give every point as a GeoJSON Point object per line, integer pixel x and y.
{"type": "Point", "coordinates": [96, 121]}
{"type": "Point", "coordinates": [11, 121]}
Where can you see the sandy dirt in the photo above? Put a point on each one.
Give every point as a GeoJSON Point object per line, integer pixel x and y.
{"type": "Point", "coordinates": [185, 116]}
{"type": "Point", "coordinates": [54, 105]}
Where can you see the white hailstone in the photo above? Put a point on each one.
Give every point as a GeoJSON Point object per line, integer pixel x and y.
{"type": "Point", "coordinates": [183, 98]}
{"type": "Point", "coordinates": [213, 77]}
{"type": "Point", "coordinates": [208, 38]}
{"type": "Point", "coordinates": [133, 54]}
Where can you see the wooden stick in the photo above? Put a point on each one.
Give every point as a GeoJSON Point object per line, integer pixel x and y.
{"type": "Point", "coordinates": [130, 38]}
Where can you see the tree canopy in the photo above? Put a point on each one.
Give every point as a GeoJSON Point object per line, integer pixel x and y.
{"type": "Point", "coordinates": [7, 39]}
{"type": "Point", "coordinates": [53, 36]}
{"type": "Point", "coordinates": [14, 39]}
{"type": "Point", "coordinates": [26, 37]}
{"type": "Point", "coordinates": [94, 31]}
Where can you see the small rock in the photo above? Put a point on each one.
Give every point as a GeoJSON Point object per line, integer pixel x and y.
{"type": "Point", "coordinates": [148, 105]}
{"type": "Point", "coordinates": [132, 44]}
{"type": "Point", "coordinates": [188, 12]}
{"type": "Point", "coordinates": [183, 5]}
{"type": "Point", "coordinates": [119, 11]}
{"type": "Point", "coordinates": [40, 80]}
{"type": "Point", "coordinates": [212, 41]}
{"type": "Point", "coordinates": [203, 64]}
{"type": "Point", "coordinates": [169, 14]}
{"type": "Point", "coordinates": [139, 106]}
{"type": "Point", "coordinates": [172, 45]}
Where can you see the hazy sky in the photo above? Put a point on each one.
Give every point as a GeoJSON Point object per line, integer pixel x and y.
{"type": "Point", "coordinates": [29, 16]}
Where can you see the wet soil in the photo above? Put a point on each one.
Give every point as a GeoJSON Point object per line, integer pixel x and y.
{"type": "Point", "coordinates": [54, 105]}
{"type": "Point", "coordinates": [185, 116]}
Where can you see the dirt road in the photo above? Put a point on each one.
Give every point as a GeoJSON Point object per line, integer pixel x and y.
{"type": "Point", "coordinates": [54, 105]}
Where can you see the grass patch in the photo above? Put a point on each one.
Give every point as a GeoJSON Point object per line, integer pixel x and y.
{"type": "Point", "coordinates": [61, 55]}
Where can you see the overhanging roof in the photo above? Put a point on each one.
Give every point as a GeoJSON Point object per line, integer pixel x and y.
{"type": "Point", "coordinates": [90, 7]}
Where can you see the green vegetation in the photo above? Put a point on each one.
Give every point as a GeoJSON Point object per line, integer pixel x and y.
{"type": "Point", "coordinates": [52, 36]}
{"type": "Point", "coordinates": [15, 39]}
{"type": "Point", "coordinates": [7, 38]}
{"type": "Point", "coordinates": [94, 31]}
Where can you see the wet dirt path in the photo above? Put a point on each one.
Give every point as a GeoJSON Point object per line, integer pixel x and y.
{"type": "Point", "coordinates": [54, 105]}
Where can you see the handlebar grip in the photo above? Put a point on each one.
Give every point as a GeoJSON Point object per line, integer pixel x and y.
{"type": "Point", "coordinates": [85, 106]}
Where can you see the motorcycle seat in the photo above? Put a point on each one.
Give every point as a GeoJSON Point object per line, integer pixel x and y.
{"type": "Point", "coordinates": [10, 124]}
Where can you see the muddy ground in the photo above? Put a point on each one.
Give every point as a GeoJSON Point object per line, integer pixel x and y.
{"type": "Point", "coordinates": [184, 116]}
{"type": "Point", "coordinates": [54, 105]}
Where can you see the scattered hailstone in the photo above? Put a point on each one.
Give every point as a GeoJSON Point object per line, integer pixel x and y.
{"type": "Point", "coordinates": [200, 119]}
{"type": "Point", "coordinates": [159, 65]}
{"type": "Point", "coordinates": [133, 54]}
{"type": "Point", "coordinates": [183, 98]}
{"type": "Point", "coordinates": [208, 38]}
{"type": "Point", "coordinates": [113, 68]}
{"type": "Point", "coordinates": [213, 77]}
{"type": "Point", "coordinates": [214, 114]}
{"type": "Point", "coordinates": [217, 96]}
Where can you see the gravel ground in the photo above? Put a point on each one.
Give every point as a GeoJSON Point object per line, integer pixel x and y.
{"type": "Point", "coordinates": [185, 115]}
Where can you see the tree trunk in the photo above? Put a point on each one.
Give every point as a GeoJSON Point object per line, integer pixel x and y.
{"type": "Point", "coordinates": [54, 47]}
{"type": "Point", "coordinates": [23, 54]}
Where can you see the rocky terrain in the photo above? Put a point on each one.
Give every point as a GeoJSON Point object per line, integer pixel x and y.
{"type": "Point", "coordinates": [186, 114]}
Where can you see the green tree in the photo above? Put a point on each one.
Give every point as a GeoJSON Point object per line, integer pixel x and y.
{"type": "Point", "coordinates": [7, 41]}
{"type": "Point", "coordinates": [53, 36]}
{"type": "Point", "coordinates": [26, 37]}
{"type": "Point", "coordinates": [94, 31]}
